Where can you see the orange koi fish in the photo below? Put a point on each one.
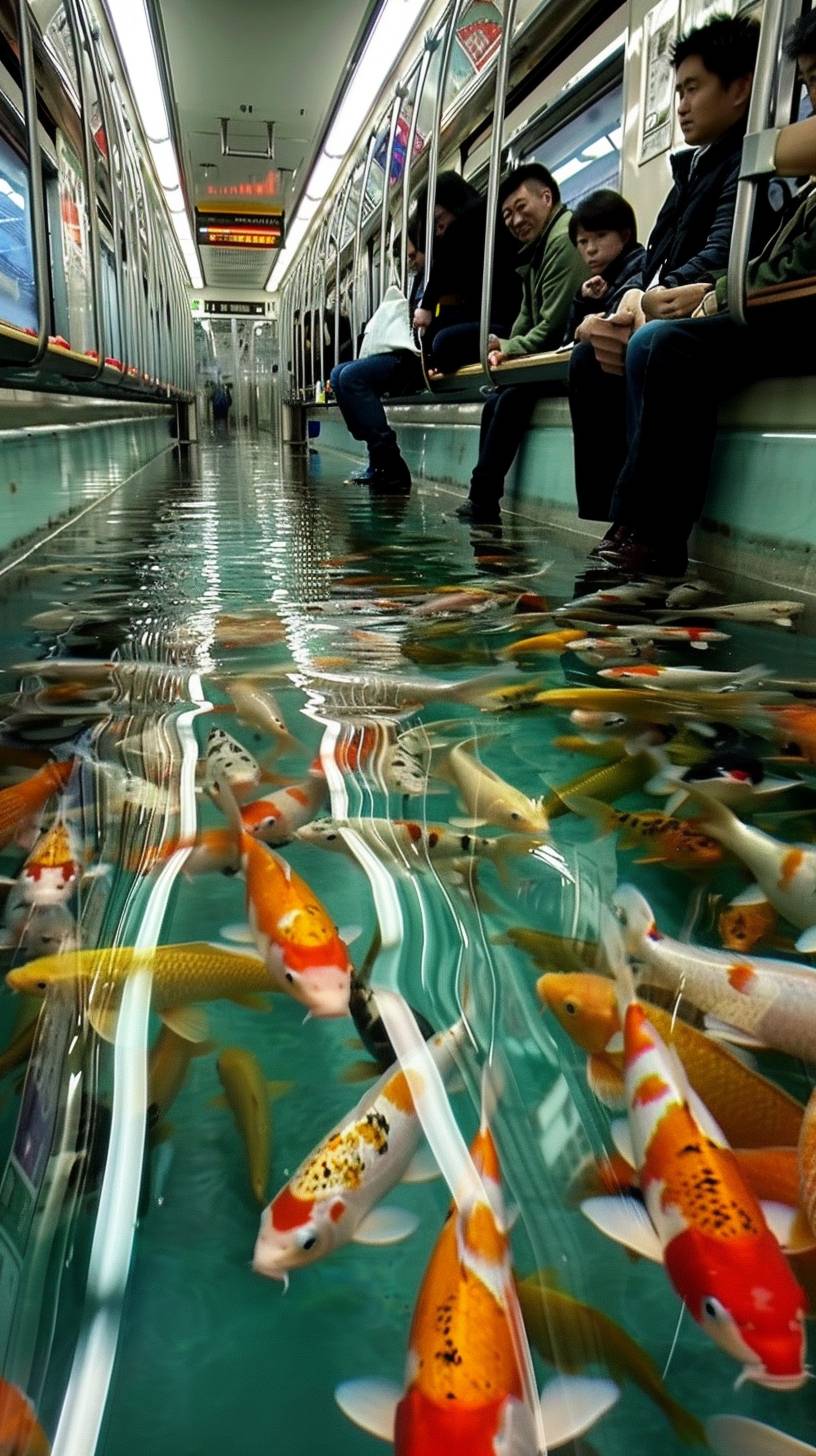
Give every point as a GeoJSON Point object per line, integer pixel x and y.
{"type": "Point", "coordinates": [467, 1391]}
{"type": "Point", "coordinates": [19, 802]}
{"type": "Point", "coordinates": [20, 1432]}
{"type": "Point", "coordinates": [807, 1163]}
{"type": "Point", "coordinates": [680, 842]}
{"type": "Point", "coordinates": [703, 1220]}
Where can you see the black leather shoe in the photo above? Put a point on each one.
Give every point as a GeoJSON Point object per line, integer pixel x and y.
{"type": "Point", "coordinates": [485, 513]}
{"type": "Point", "coordinates": [643, 558]}
{"type": "Point", "coordinates": [612, 541]}
{"type": "Point", "coordinates": [392, 481]}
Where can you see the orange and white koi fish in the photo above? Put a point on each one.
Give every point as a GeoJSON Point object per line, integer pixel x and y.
{"type": "Point", "coordinates": [748, 999]}
{"type": "Point", "coordinates": [294, 933]}
{"type": "Point", "coordinates": [686, 679]}
{"type": "Point", "coordinates": [795, 723]}
{"type": "Point", "coordinates": [703, 1220]}
{"type": "Point", "coordinates": [19, 803]}
{"type": "Point", "coordinates": [277, 818]}
{"type": "Point", "coordinates": [20, 1432]}
{"type": "Point", "coordinates": [52, 870]}
{"type": "Point", "coordinates": [467, 1389]}
{"type": "Point", "coordinates": [751, 1110]}
{"type": "Point", "coordinates": [332, 1198]}
{"type": "Point", "coordinates": [700, 638]}
{"type": "Point", "coordinates": [681, 843]}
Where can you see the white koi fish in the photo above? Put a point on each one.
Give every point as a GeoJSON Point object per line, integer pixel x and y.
{"type": "Point", "coordinates": [413, 845]}
{"type": "Point", "coordinates": [650, 675]}
{"type": "Point", "coordinates": [488, 798]}
{"type": "Point", "coordinates": [226, 758]}
{"type": "Point", "coordinates": [750, 999]}
{"type": "Point", "coordinates": [700, 638]}
{"type": "Point", "coordinates": [331, 1199]}
{"type": "Point", "coordinates": [780, 614]}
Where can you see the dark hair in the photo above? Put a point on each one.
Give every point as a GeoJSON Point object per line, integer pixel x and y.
{"type": "Point", "coordinates": [727, 46]}
{"type": "Point", "coordinates": [800, 40]}
{"type": "Point", "coordinates": [452, 192]}
{"type": "Point", "coordinates": [603, 210]}
{"type": "Point", "coordinates": [528, 172]}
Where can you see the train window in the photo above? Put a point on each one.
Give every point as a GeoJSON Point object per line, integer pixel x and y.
{"type": "Point", "coordinates": [75, 297]}
{"type": "Point", "coordinates": [585, 153]}
{"type": "Point", "coordinates": [18, 295]}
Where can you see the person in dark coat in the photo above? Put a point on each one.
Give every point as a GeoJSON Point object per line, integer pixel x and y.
{"type": "Point", "coordinates": [604, 230]}
{"type": "Point", "coordinates": [687, 251]}
{"type": "Point", "coordinates": [451, 306]}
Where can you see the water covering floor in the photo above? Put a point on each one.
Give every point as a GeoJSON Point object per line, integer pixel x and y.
{"type": "Point", "coordinates": [210, 1357]}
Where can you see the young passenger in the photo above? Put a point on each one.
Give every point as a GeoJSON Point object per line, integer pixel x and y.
{"type": "Point", "coordinates": [686, 252]}
{"type": "Point", "coordinates": [604, 230]}
{"type": "Point", "coordinates": [662, 486]}
{"type": "Point", "coordinates": [359, 385]}
{"type": "Point", "coordinates": [550, 270]}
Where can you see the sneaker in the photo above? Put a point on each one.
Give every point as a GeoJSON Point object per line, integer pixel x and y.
{"type": "Point", "coordinates": [486, 513]}
{"type": "Point", "coordinates": [642, 558]}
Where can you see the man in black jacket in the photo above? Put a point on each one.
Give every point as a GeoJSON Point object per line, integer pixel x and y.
{"type": "Point", "coordinates": [687, 251]}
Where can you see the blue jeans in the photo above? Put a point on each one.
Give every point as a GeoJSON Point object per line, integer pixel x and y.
{"type": "Point", "coordinates": [606, 410]}
{"type": "Point", "coordinates": [359, 385]}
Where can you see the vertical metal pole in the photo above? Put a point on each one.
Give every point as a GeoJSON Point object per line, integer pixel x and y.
{"type": "Point", "coordinates": [76, 28]}
{"type": "Point", "coordinates": [422, 75]}
{"type": "Point", "coordinates": [356, 322]}
{"type": "Point", "coordinates": [118, 205]}
{"type": "Point", "coordinates": [386, 197]}
{"type": "Point", "coordinates": [39, 236]}
{"type": "Point", "coordinates": [494, 175]}
{"type": "Point", "coordinates": [338, 251]}
{"type": "Point", "coordinates": [433, 157]}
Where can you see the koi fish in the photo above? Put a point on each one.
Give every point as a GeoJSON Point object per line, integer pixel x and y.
{"type": "Point", "coordinates": [51, 872]}
{"type": "Point", "coordinates": [686, 679]}
{"type": "Point", "coordinates": [742, 926]}
{"type": "Point", "coordinates": [488, 799]}
{"type": "Point", "coordinates": [20, 1432]}
{"type": "Point", "coordinates": [751, 1110]}
{"type": "Point", "coordinates": [596, 650]}
{"type": "Point", "coordinates": [181, 974]}
{"type": "Point", "coordinates": [750, 1000]}
{"type": "Point", "coordinates": [19, 803]}
{"type": "Point", "coordinates": [623, 777]}
{"type": "Point", "coordinates": [332, 1198]}
{"type": "Point", "coordinates": [277, 818]}
{"type": "Point", "coordinates": [247, 1093]}
{"type": "Point", "coordinates": [688, 593]}
{"type": "Point", "coordinates": [544, 642]}
{"type": "Point", "coordinates": [785, 873]}
{"type": "Point", "coordinates": [550, 951]}
{"type": "Point", "coordinates": [680, 842]}
{"type": "Point", "coordinates": [373, 748]}
{"type": "Point", "coordinates": [225, 758]}
{"type": "Point", "coordinates": [472, 600]}
{"type": "Point", "coordinates": [779, 614]}
{"type": "Point", "coordinates": [413, 845]}
{"type": "Point", "coordinates": [700, 638]}
{"type": "Point", "coordinates": [571, 1335]}
{"type": "Point", "coordinates": [652, 706]}
{"type": "Point", "coordinates": [468, 1383]}
{"type": "Point", "coordinates": [796, 723]}
{"type": "Point", "coordinates": [293, 932]}
{"type": "Point", "coordinates": [368, 1022]}
{"type": "Point", "coordinates": [731, 775]}
{"type": "Point", "coordinates": [704, 1223]}
{"type": "Point", "coordinates": [38, 930]}
{"type": "Point", "coordinates": [740, 1436]}
{"type": "Point", "coordinates": [258, 708]}
{"type": "Point", "coordinates": [628, 593]}
{"type": "Point", "coordinates": [167, 1068]}
{"type": "Point", "coordinates": [807, 1163]}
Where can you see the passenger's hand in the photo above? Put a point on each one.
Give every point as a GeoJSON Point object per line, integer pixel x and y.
{"type": "Point", "coordinates": [495, 358]}
{"type": "Point", "coordinates": [423, 318]}
{"type": "Point", "coordinates": [674, 303]}
{"type": "Point", "coordinates": [708, 305]}
{"type": "Point", "coordinates": [594, 287]}
{"type": "Point", "coordinates": [609, 339]}
{"type": "Point", "coordinates": [493, 342]}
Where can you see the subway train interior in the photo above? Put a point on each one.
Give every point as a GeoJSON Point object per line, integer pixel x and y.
{"type": "Point", "coordinates": [407, 727]}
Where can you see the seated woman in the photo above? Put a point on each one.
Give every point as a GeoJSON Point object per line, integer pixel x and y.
{"type": "Point", "coordinates": [604, 230]}
{"type": "Point", "coordinates": [359, 386]}
{"type": "Point", "coordinates": [452, 301]}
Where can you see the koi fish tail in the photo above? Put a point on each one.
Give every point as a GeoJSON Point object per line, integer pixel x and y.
{"type": "Point", "coordinates": [600, 814]}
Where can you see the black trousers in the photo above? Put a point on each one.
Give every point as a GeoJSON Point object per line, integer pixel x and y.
{"type": "Point", "coordinates": [505, 418]}
{"type": "Point", "coordinates": [693, 365]}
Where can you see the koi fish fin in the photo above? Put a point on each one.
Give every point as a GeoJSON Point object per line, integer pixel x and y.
{"type": "Point", "coordinates": [806, 942]}
{"type": "Point", "coordinates": [622, 1138]}
{"type": "Point", "coordinates": [188, 1022]}
{"type": "Point", "coordinates": [572, 1404]}
{"type": "Point", "coordinates": [673, 804]}
{"type": "Point", "coordinates": [360, 1071]}
{"type": "Point", "coordinates": [96, 872]}
{"type": "Point", "coordinates": [103, 1019]}
{"type": "Point", "coordinates": [423, 1168]}
{"type": "Point", "coordinates": [724, 1032]}
{"type": "Point", "coordinates": [239, 934]}
{"type": "Point", "coordinates": [605, 1079]}
{"type": "Point", "coordinates": [696, 646]}
{"type": "Point", "coordinates": [371, 1405]}
{"type": "Point", "coordinates": [626, 1222]}
{"type": "Point", "coordinates": [601, 815]}
{"type": "Point", "coordinates": [460, 822]}
{"type": "Point", "coordinates": [788, 1226]}
{"type": "Point", "coordinates": [740, 1436]}
{"type": "Point", "coordinates": [751, 895]}
{"type": "Point", "coordinates": [384, 1226]}
{"type": "Point", "coordinates": [7, 880]}
{"type": "Point", "coordinates": [350, 933]}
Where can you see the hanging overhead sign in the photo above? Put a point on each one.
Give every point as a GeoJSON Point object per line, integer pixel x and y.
{"type": "Point", "coordinates": [223, 305]}
{"type": "Point", "coordinates": [229, 228]}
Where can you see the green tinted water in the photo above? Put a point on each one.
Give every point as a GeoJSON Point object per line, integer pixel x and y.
{"type": "Point", "coordinates": [209, 1357]}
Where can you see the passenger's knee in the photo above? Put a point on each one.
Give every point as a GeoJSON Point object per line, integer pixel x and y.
{"type": "Point", "coordinates": [583, 365]}
{"type": "Point", "coordinates": [336, 376]}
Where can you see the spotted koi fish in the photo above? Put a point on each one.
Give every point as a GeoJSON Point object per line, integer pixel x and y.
{"type": "Point", "coordinates": [331, 1199]}
{"type": "Point", "coordinates": [680, 842]}
{"type": "Point", "coordinates": [719, 1253]}
{"type": "Point", "coordinates": [227, 759]}
{"type": "Point", "coordinates": [411, 845]}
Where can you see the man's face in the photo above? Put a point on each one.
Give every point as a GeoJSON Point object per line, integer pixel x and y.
{"type": "Point", "coordinates": [705, 107]}
{"type": "Point", "coordinates": [807, 70]}
{"type": "Point", "coordinates": [527, 211]}
{"type": "Point", "coordinates": [416, 260]}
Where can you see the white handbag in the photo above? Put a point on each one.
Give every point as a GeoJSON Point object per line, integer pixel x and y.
{"type": "Point", "coordinates": [389, 331]}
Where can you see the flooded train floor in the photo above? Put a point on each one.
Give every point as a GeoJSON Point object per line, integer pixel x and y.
{"type": "Point", "coordinates": [271, 744]}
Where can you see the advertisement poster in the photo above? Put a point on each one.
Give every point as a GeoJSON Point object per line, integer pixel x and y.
{"type": "Point", "coordinates": [657, 100]}
{"type": "Point", "coordinates": [75, 256]}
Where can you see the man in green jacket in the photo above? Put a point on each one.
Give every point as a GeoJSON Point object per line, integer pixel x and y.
{"type": "Point", "coordinates": [551, 272]}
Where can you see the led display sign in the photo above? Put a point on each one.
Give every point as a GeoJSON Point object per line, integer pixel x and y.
{"type": "Point", "coordinates": [232, 229]}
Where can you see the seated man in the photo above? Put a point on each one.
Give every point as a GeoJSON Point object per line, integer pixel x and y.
{"type": "Point", "coordinates": [359, 385]}
{"type": "Point", "coordinates": [686, 252]}
{"type": "Point", "coordinates": [604, 230]}
{"type": "Point", "coordinates": [662, 486]}
{"type": "Point", "coordinates": [551, 270]}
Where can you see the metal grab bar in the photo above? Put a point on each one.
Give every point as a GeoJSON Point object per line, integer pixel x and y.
{"type": "Point", "coordinates": [422, 76]}
{"type": "Point", "coordinates": [338, 244]}
{"type": "Point", "coordinates": [436, 129]}
{"type": "Point", "coordinates": [81, 39]}
{"type": "Point", "coordinates": [494, 178]}
{"type": "Point", "coordinates": [396, 108]}
{"type": "Point", "coordinates": [776, 16]}
{"type": "Point", "coordinates": [358, 232]}
{"type": "Point", "coordinates": [118, 203]}
{"type": "Point", "coordinates": [39, 236]}
{"type": "Point", "coordinates": [129, 341]}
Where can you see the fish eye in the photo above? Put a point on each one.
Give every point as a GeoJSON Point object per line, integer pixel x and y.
{"type": "Point", "coordinates": [42, 985]}
{"type": "Point", "coordinates": [289, 976]}
{"type": "Point", "coordinates": [570, 1008]}
{"type": "Point", "coordinates": [714, 1309]}
{"type": "Point", "coordinates": [515, 815]}
{"type": "Point", "coordinates": [307, 1239]}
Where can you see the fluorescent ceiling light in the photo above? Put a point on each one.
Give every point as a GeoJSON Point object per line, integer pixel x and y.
{"type": "Point", "coordinates": [130, 22]}
{"type": "Point", "coordinates": [394, 24]}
